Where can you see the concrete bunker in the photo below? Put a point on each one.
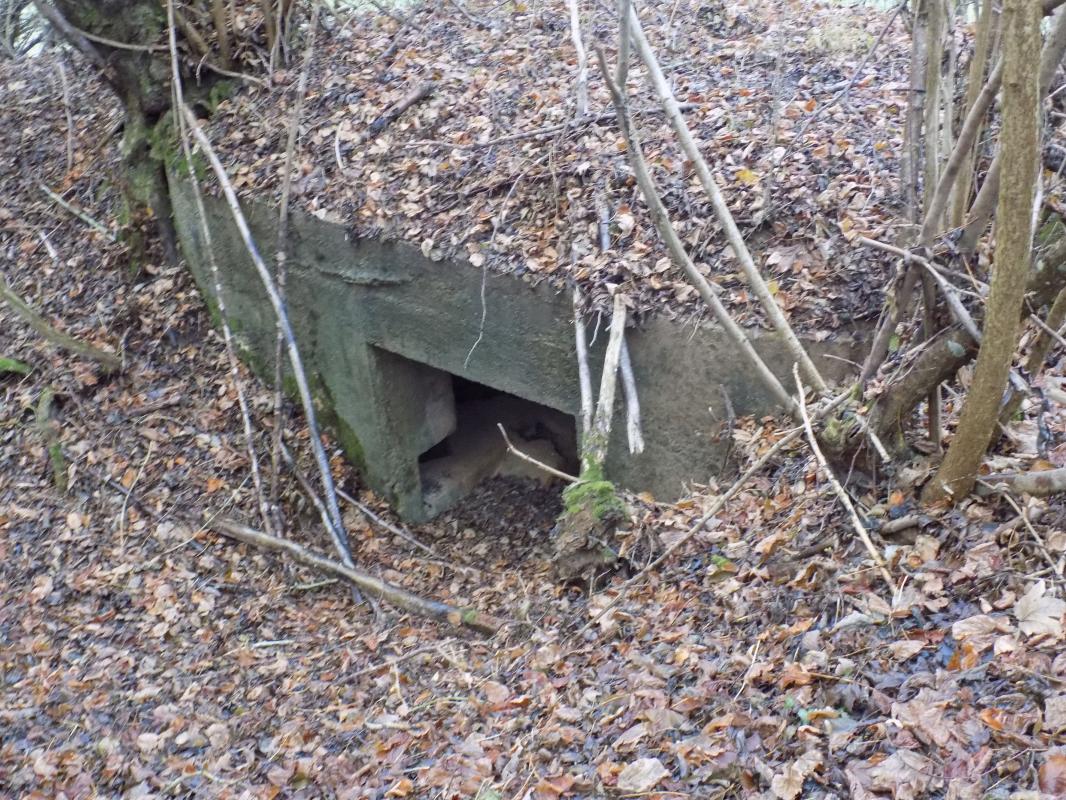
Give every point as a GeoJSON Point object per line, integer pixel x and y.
{"type": "Point", "coordinates": [405, 351]}
{"type": "Point", "coordinates": [460, 444]}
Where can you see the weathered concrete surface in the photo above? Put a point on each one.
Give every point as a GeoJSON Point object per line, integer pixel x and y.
{"type": "Point", "coordinates": [379, 325]}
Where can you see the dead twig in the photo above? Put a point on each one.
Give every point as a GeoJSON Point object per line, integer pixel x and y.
{"type": "Point", "coordinates": [395, 530]}
{"type": "Point", "coordinates": [548, 130]}
{"type": "Point", "coordinates": [401, 598]}
{"type": "Point", "coordinates": [93, 223]}
{"type": "Point", "coordinates": [108, 362]}
{"type": "Point", "coordinates": [1056, 567]}
{"type": "Point", "coordinates": [538, 464]}
{"type": "Point", "coordinates": [65, 85]}
{"type": "Point", "coordinates": [205, 232]}
{"type": "Point", "coordinates": [843, 93]}
{"type": "Point", "coordinates": [733, 235]}
{"type": "Point", "coordinates": [334, 523]}
{"type": "Point", "coordinates": [126, 498]}
{"type": "Point", "coordinates": [679, 255]}
{"type": "Point", "coordinates": [392, 662]}
{"type": "Point", "coordinates": [838, 490]}
{"type": "Point", "coordinates": [280, 257]}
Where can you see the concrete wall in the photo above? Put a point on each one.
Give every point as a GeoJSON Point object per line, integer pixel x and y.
{"type": "Point", "coordinates": [357, 304]}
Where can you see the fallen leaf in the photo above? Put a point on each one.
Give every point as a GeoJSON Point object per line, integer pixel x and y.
{"type": "Point", "coordinates": [642, 775]}
{"type": "Point", "coordinates": [906, 774]}
{"type": "Point", "coordinates": [401, 788]}
{"type": "Point", "coordinates": [905, 648]}
{"type": "Point", "coordinates": [1055, 713]}
{"type": "Point", "coordinates": [631, 736]}
{"type": "Point", "coordinates": [787, 785]}
{"type": "Point", "coordinates": [496, 693]}
{"type": "Point", "coordinates": [42, 587]}
{"type": "Point", "coordinates": [746, 176]}
{"type": "Point", "coordinates": [1039, 614]}
{"type": "Point", "coordinates": [1052, 774]}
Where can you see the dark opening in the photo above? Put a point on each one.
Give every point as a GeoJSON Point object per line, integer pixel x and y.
{"type": "Point", "coordinates": [475, 450]}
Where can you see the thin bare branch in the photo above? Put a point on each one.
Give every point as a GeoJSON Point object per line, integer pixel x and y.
{"type": "Point", "coordinates": [679, 255]}
{"type": "Point", "coordinates": [335, 523]}
{"type": "Point", "coordinates": [838, 490]}
{"type": "Point", "coordinates": [721, 210]}
{"type": "Point", "coordinates": [375, 587]}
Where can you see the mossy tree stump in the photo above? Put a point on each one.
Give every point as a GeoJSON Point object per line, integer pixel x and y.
{"type": "Point", "coordinates": [592, 507]}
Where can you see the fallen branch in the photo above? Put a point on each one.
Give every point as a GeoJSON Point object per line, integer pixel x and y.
{"type": "Point", "coordinates": [1039, 483]}
{"type": "Point", "coordinates": [547, 130]}
{"type": "Point", "coordinates": [220, 300]}
{"type": "Point", "coordinates": [109, 362]}
{"type": "Point", "coordinates": [394, 111]}
{"type": "Point", "coordinates": [838, 490]}
{"type": "Point", "coordinates": [395, 530]}
{"type": "Point", "coordinates": [280, 264]}
{"type": "Point", "coordinates": [93, 223]}
{"type": "Point", "coordinates": [401, 598]}
{"type": "Point", "coordinates": [530, 460]}
{"type": "Point", "coordinates": [46, 427]}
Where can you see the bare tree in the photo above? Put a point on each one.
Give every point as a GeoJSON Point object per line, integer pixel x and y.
{"type": "Point", "coordinates": [1018, 146]}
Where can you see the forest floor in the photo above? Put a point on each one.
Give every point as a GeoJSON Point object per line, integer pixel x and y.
{"type": "Point", "coordinates": [143, 656]}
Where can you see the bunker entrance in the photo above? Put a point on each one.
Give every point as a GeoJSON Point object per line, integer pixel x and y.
{"type": "Point", "coordinates": [473, 449]}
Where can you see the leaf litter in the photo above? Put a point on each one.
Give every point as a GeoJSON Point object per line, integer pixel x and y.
{"type": "Point", "coordinates": [142, 657]}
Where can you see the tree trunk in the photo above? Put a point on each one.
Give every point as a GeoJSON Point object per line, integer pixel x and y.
{"type": "Point", "coordinates": [139, 75]}
{"type": "Point", "coordinates": [1019, 141]}
{"type": "Point", "coordinates": [982, 51]}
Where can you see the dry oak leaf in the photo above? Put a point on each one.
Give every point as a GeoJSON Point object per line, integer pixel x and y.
{"type": "Point", "coordinates": [1039, 614]}
{"type": "Point", "coordinates": [496, 693]}
{"type": "Point", "coordinates": [904, 649]}
{"type": "Point", "coordinates": [981, 630]}
{"type": "Point", "coordinates": [401, 788]}
{"type": "Point", "coordinates": [1052, 774]}
{"type": "Point", "coordinates": [1055, 713]}
{"type": "Point", "coordinates": [641, 776]}
{"type": "Point", "coordinates": [788, 784]}
{"type": "Point", "coordinates": [906, 774]}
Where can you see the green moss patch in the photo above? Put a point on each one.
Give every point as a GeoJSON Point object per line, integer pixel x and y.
{"type": "Point", "coordinates": [599, 498]}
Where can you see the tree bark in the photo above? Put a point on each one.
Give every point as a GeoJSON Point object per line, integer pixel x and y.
{"type": "Point", "coordinates": [138, 72]}
{"type": "Point", "coordinates": [982, 51]}
{"type": "Point", "coordinates": [985, 202]}
{"type": "Point", "coordinates": [1020, 138]}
